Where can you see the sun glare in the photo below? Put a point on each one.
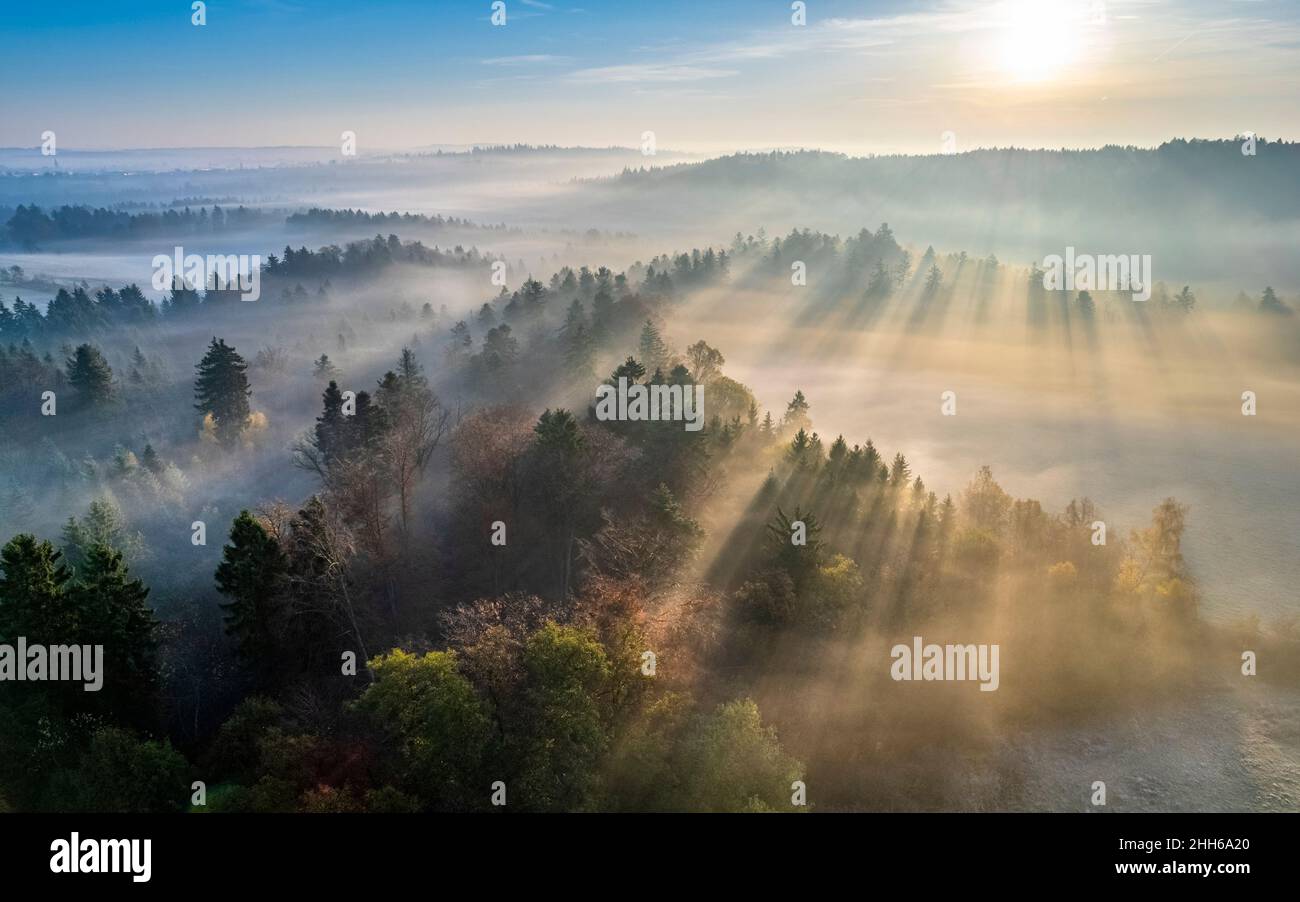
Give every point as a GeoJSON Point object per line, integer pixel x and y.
{"type": "Point", "coordinates": [1038, 38]}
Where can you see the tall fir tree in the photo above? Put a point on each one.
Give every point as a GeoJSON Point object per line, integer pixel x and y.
{"type": "Point", "coordinates": [152, 462]}
{"type": "Point", "coordinates": [113, 611]}
{"type": "Point", "coordinates": [32, 582]}
{"type": "Point", "coordinates": [654, 352]}
{"type": "Point", "coordinates": [579, 351]}
{"type": "Point", "coordinates": [251, 573]}
{"type": "Point", "coordinates": [221, 389]}
{"type": "Point", "coordinates": [90, 375]}
{"type": "Point", "coordinates": [329, 432]}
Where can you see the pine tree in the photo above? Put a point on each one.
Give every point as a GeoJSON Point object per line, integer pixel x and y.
{"type": "Point", "coordinates": [183, 299]}
{"type": "Point", "coordinates": [579, 351]}
{"type": "Point", "coordinates": [796, 412]}
{"type": "Point", "coordinates": [798, 452]}
{"type": "Point", "coordinates": [89, 373]}
{"type": "Point", "coordinates": [102, 607]}
{"type": "Point", "coordinates": [630, 369]}
{"type": "Point", "coordinates": [839, 451]}
{"type": "Point", "coordinates": [798, 561]}
{"type": "Point", "coordinates": [324, 368]}
{"type": "Point", "coordinates": [900, 472]}
{"type": "Point", "coordinates": [881, 283]}
{"type": "Point", "coordinates": [947, 514]}
{"type": "Point", "coordinates": [221, 389]}
{"type": "Point", "coordinates": [558, 431]}
{"type": "Point", "coordinates": [653, 350]}
{"type": "Point", "coordinates": [113, 610]}
{"type": "Point", "coordinates": [904, 268]}
{"type": "Point", "coordinates": [816, 450]}
{"type": "Point", "coordinates": [252, 570]}
{"type": "Point", "coordinates": [149, 457]}
{"type": "Point", "coordinates": [363, 429]}
{"type": "Point", "coordinates": [933, 279]}
{"type": "Point", "coordinates": [533, 295]}
{"type": "Point", "coordinates": [32, 582]}
{"type": "Point", "coordinates": [1270, 303]}
{"type": "Point", "coordinates": [461, 341]}
{"type": "Point", "coordinates": [574, 318]}
{"type": "Point", "coordinates": [602, 312]}
{"type": "Point", "coordinates": [329, 433]}
{"type": "Point", "coordinates": [870, 458]}
{"type": "Point", "coordinates": [410, 374]}
{"type": "Point", "coordinates": [140, 368]}
{"type": "Point", "coordinates": [500, 348]}
{"type": "Point", "coordinates": [102, 525]}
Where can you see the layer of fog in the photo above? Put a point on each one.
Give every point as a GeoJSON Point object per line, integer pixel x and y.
{"type": "Point", "coordinates": [1128, 420]}
{"type": "Point", "coordinates": [1140, 411]}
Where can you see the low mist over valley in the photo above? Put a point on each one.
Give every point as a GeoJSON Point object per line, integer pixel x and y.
{"type": "Point", "coordinates": [637, 467]}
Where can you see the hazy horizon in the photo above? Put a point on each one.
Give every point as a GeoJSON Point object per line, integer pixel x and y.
{"type": "Point", "coordinates": [418, 402]}
{"type": "Point", "coordinates": [859, 77]}
{"type": "Point", "coordinates": [379, 152]}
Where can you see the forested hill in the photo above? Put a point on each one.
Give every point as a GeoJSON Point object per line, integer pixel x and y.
{"type": "Point", "coordinates": [1235, 214]}
{"type": "Point", "coordinates": [1176, 175]}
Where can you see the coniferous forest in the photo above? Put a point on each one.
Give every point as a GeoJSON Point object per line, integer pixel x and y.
{"type": "Point", "coordinates": [646, 467]}
{"type": "Point", "coordinates": [366, 558]}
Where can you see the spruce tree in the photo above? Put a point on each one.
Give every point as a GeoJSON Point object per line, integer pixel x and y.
{"type": "Point", "coordinates": [152, 462]}
{"type": "Point", "coordinates": [324, 368]}
{"type": "Point", "coordinates": [251, 573]}
{"type": "Point", "coordinates": [881, 283]}
{"type": "Point", "coordinates": [796, 412]}
{"type": "Point", "coordinates": [576, 316]}
{"type": "Point", "coordinates": [139, 366]}
{"type": "Point", "coordinates": [1270, 303]}
{"type": "Point", "coordinates": [32, 581]}
{"type": "Point", "coordinates": [579, 351]}
{"type": "Point", "coordinates": [330, 426]}
{"type": "Point", "coordinates": [113, 611]}
{"type": "Point", "coordinates": [102, 607]}
{"type": "Point", "coordinates": [409, 372]}
{"type": "Point", "coordinates": [933, 279]}
{"type": "Point", "coordinates": [653, 350]}
{"type": "Point", "coordinates": [630, 369]}
{"type": "Point", "coordinates": [89, 373]}
{"type": "Point", "coordinates": [102, 525]}
{"type": "Point", "coordinates": [602, 313]}
{"type": "Point", "coordinates": [221, 390]}
{"type": "Point", "coordinates": [901, 471]}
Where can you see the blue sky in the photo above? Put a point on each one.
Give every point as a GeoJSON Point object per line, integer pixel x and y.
{"type": "Point", "coordinates": [708, 76]}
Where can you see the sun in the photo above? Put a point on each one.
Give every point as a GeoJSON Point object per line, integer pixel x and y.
{"type": "Point", "coordinates": [1038, 38]}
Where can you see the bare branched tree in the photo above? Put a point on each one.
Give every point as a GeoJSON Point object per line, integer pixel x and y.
{"type": "Point", "coordinates": [416, 428]}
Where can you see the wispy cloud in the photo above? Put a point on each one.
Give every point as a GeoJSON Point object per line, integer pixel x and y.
{"type": "Point", "coordinates": [528, 59]}
{"type": "Point", "coordinates": [649, 72]}
{"type": "Point", "coordinates": [724, 59]}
